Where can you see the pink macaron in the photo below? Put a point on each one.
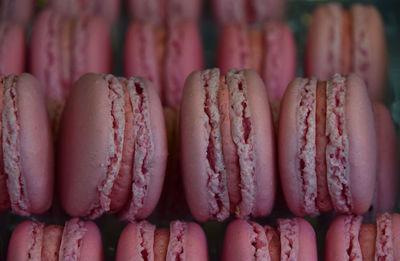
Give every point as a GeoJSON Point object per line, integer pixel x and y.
{"type": "Point", "coordinates": [19, 11]}
{"type": "Point", "coordinates": [76, 240]}
{"type": "Point", "coordinates": [387, 171]}
{"type": "Point", "coordinates": [327, 146]}
{"type": "Point", "coordinates": [271, 51]}
{"type": "Point", "coordinates": [227, 145]}
{"type": "Point", "coordinates": [12, 48]}
{"type": "Point", "coordinates": [182, 241]}
{"type": "Point", "coordinates": [26, 157]}
{"type": "Point", "coordinates": [341, 41]}
{"type": "Point", "coordinates": [109, 9]}
{"type": "Point", "coordinates": [349, 239]}
{"type": "Point", "coordinates": [160, 12]}
{"type": "Point", "coordinates": [164, 56]}
{"type": "Point", "coordinates": [294, 239]}
{"type": "Point", "coordinates": [113, 148]}
{"type": "Point", "coordinates": [251, 11]}
{"type": "Point", "coordinates": [62, 50]}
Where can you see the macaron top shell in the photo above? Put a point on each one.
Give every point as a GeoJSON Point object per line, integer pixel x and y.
{"type": "Point", "coordinates": [27, 158]}
{"type": "Point", "coordinates": [234, 170]}
{"type": "Point", "coordinates": [112, 148]}
{"type": "Point", "coordinates": [12, 48]}
{"type": "Point", "coordinates": [182, 241]}
{"type": "Point", "coordinates": [293, 240]}
{"type": "Point", "coordinates": [317, 127]}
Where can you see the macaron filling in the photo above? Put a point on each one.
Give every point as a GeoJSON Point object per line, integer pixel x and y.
{"type": "Point", "coordinates": [289, 232]}
{"type": "Point", "coordinates": [11, 143]}
{"type": "Point", "coordinates": [384, 238]}
{"type": "Point", "coordinates": [4, 197]}
{"type": "Point", "coordinates": [72, 239]}
{"type": "Point", "coordinates": [177, 241]}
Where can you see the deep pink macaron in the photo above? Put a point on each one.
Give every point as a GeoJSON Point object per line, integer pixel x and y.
{"type": "Point", "coordinates": [294, 239]}
{"type": "Point", "coordinates": [251, 11]}
{"type": "Point", "coordinates": [113, 148]}
{"type": "Point", "coordinates": [327, 146]}
{"type": "Point", "coordinates": [227, 145]}
{"type": "Point", "coordinates": [164, 56]}
{"type": "Point", "coordinates": [341, 41]}
{"type": "Point", "coordinates": [26, 155]}
{"type": "Point", "coordinates": [182, 241]}
{"type": "Point", "coordinates": [19, 11]}
{"type": "Point", "coordinates": [160, 12]}
{"type": "Point", "coordinates": [12, 48]}
{"type": "Point", "coordinates": [349, 239]}
{"type": "Point", "coordinates": [77, 240]}
{"type": "Point", "coordinates": [62, 50]}
{"type": "Point", "coordinates": [109, 9]}
{"type": "Point", "coordinates": [387, 171]}
{"type": "Point", "coordinates": [271, 51]}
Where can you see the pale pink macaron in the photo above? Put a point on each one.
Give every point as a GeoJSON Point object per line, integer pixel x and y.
{"type": "Point", "coordinates": [12, 48]}
{"type": "Point", "coordinates": [26, 155]}
{"type": "Point", "coordinates": [327, 146]}
{"type": "Point", "coordinates": [109, 9]}
{"type": "Point", "coordinates": [160, 12]}
{"type": "Point", "coordinates": [62, 50]}
{"type": "Point", "coordinates": [293, 239]}
{"type": "Point", "coordinates": [19, 11]}
{"type": "Point", "coordinates": [165, 56]}
{"type": "Point", "coordinates": [113, 148]}
{"type": "Point", "coordinates": [76, 240]}
{"type": "Point", "coordinates": [251, 11]}
{"type": "Point", "coordinates": [349, 239]}
{"type": "Point", "coordinates": [227, 145]}
{"type": "Point", "coordinates": [387, 171]}
{"type": "Point", "coordinates": [271, 51]}
{"type": "Point", "coordinates": [341, 41]}
{"type": "Point", "coordinates": [182, 241]}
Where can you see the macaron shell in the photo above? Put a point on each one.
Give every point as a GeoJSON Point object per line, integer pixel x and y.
{"type": "Point", "coordinates": [362, 144]}
{"type": "Point", "coordinates": [387, 160]}
{"type": "Point", "coordinates": [369, 37]}
{"type": "Point", "coordinates": [21, 242]}
{"type": "Point", "coordinates": [228, 10]}
{"type": "Point", "coordinates": [264, 144]}
{"type": "Point", "coordinates": [17, 10]}
{"type": "Point", "coordinates": [84, 142]}
{"type": "Point", "coordinates": [396, 234]}
{"type": "Point", "coordinates": [12, 50]}
{"type": "Point", "coordinates": [195, 246]}
{"type": "Point", "coordinates": [35, 143]}
{"type": "Point", "coordinates": [91, 247]}
{"type": "Point", "coordinates": [307, 241]}
{"type": "Point", "coordinates": [287, 153]}
{"type": "Point", "coordinates": [152, 11]}
{"type": "Point", "coordinates": [193, 146]}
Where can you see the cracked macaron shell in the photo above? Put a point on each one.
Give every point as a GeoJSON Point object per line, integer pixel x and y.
{"type": "Point", "coordinates": [242, 243]}
{"type": "Point", "coordinates": [12, 48]}
{"type": "Point", "coordinates": [185, 239]}
{"type": "Point", "coordinates": [35, 148]}
{"type": "Point", "coordinates": [38, 241]}
{"type": "Point", "coordinates": [361, 146]}
{"type": "Point", "coordinates": [195, 176]}
{"type": "Point", "coordinates": [85, 145]}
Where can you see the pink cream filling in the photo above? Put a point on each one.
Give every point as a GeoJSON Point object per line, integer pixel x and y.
{"type": "Point", "coordinates": [144, 147]}
{"type": "Point", "coordinates": [11, 149]}
{"type": "Point", "coordinates": [337, 162]}
{"type": "Point", "coordinates": [289, 233]}
{"type": "Point", "coordinates": [259, 243]}
{"type": "Point", "coordinates": [35, 247]}
{"type": "Point", "coordinates": [117, 114]}
{"type": "Point", "coordinates": [173, 75]}
{"type": "Point", "coordinates": [306, 145]}
{"type": "Point", "coordinates": [352, 227]}
{"type": "Point", "coordinates": [243, 138]}
{"type": "Point", "coordinates": [217, 184]}
{"type": "Point", "coordinates": [146, 240]}
{"type": "Point", "coordinates": [177, 241]}
{"type": "Point", "coordinates": [72, 239]}
{"type": "Point", "coordinates": [384, 239]}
